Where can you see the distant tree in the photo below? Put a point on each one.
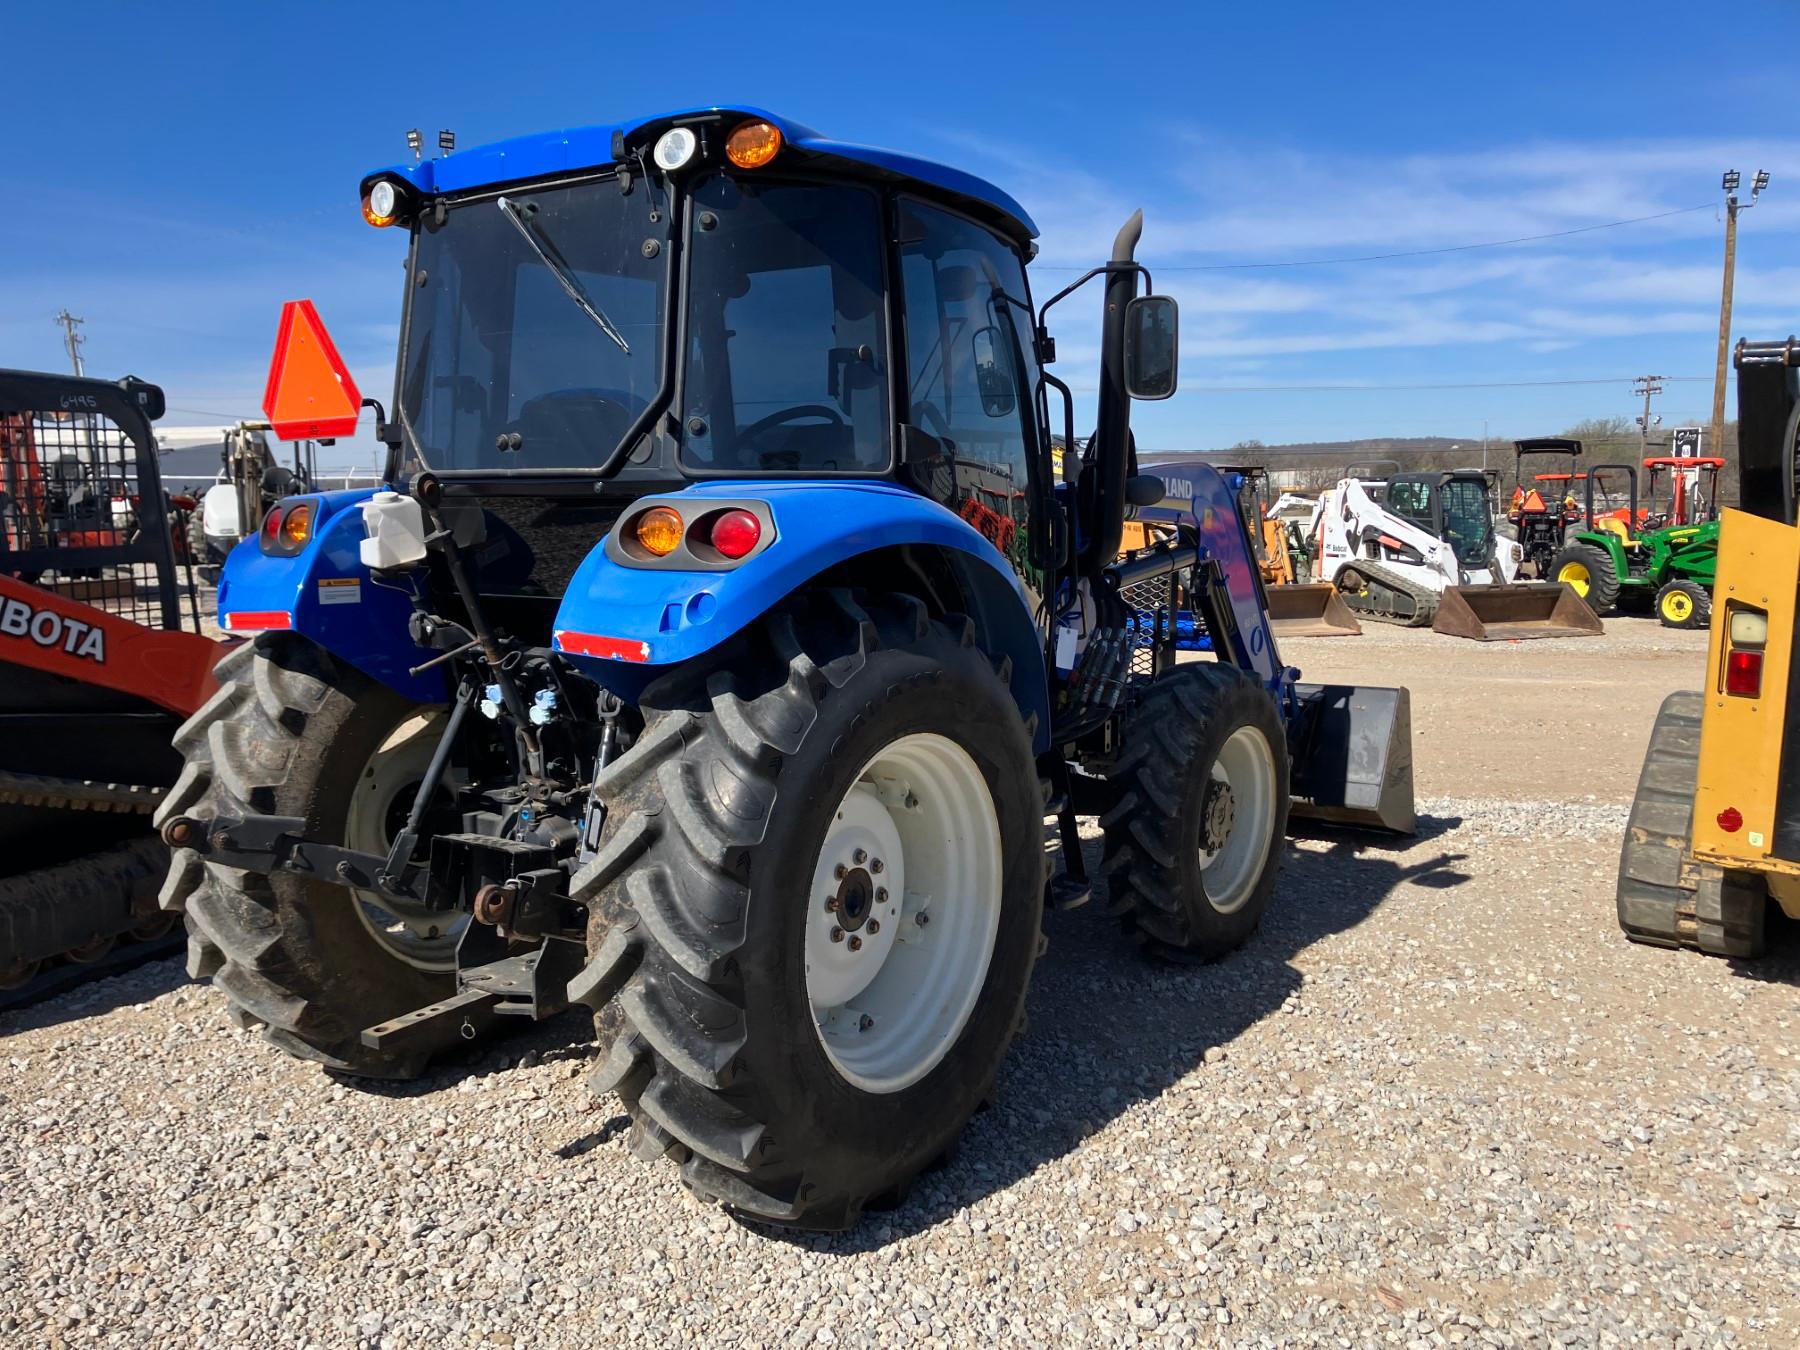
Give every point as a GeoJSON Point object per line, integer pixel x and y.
{"type": "Point", "coordinates": [1249, 445]}
{"type": "Point", "coordinates": [1603, 429]}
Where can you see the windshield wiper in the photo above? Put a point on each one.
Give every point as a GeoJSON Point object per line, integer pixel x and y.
{"type": "Point", "coordinates": [551, 257]}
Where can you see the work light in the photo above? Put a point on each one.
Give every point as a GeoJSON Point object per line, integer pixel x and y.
{"type": "Point", "coordinates": [674, 148]}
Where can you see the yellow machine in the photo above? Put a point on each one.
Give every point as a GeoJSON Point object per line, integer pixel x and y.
{"type": "Point", "coordinates": [1714, 834]}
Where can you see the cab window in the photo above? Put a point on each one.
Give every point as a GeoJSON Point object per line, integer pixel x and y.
{"type": "Point", "coordinates": [969, 379]}
{"type": "Point", "coordinates": [787, 357]}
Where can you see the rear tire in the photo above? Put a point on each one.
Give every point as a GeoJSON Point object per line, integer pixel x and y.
{"type": "Point", "coordinates": [1588, 571]}
{"type": "Point", "coordinates": [706, 965]}
{"type": "Point", "coordinates": [1665, 898]}
{"type": "Point", "coordinates": [1197, 726]}
{"type": "Point", "coordinates": [292, 731]}
{"type": "Point", "coordinates": [1683, 604]}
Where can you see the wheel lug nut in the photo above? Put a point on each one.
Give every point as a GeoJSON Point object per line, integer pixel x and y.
{"type": "Point", "coordinates": [840, 871]}
{"type": "Point", "coordinates": [837, 935]}
{"type": "Point", "coordinates": [881, 895]}
{"type": "Point", "coordinates": [921, 918]}
{"type": "Point", "coordinates": [877, 866]}
{"type": "Point", "coordinates": [860, 857]}
{"type": "Point", "coordinates": [831, 904]}
{"type": "Point", "coordinates": [855, 944]}
{"type": "Point", "coordinates": [874, 927]}
{"type": "Point", "coordinates": [865, 1022]}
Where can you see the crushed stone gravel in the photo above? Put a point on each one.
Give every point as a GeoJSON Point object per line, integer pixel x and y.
{"type": "Point", "coordinates": [1437, 1100]}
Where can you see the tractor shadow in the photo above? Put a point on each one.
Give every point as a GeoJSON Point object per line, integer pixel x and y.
{"type": "Point", "coordinates": [1108, 1030]}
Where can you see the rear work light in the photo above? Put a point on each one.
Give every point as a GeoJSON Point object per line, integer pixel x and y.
{"type": "Point", "coordinates": [381, 204]}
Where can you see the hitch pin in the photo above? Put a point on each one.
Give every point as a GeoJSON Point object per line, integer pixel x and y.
{"type": "Point", "coordinates": [442, 657]}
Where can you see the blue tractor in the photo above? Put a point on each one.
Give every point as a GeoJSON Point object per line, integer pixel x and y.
{"type": "Point", "coordinates": [719, 649]}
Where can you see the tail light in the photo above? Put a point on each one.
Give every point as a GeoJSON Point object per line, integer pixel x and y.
{"type": "Point", "coordinates": [288, 528]}
{"type": "Point", "coordinates": [1747, 636]}
{"type": "Point", "coordinates": [734, 533]}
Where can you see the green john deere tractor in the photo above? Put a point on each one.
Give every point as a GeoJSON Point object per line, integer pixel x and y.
{"type": "Point", "coordinates": [1662, 559]}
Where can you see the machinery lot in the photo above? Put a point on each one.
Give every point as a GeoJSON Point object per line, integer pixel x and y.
{"type": "Point", "coordinates": [1437, 1096]}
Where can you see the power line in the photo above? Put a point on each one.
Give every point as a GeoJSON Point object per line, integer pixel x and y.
{"type": "Point", "coordinates": [1416, 252]}
{"type": "Point", "coordinates": [1378, 388]}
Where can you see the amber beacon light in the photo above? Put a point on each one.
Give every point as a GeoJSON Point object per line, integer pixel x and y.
{"type": "Point", "coordinates": [753, 144]}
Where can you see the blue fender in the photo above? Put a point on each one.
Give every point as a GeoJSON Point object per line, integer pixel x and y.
{"type": "Point", "coordinates": [325, 593]}
{"type": "Point", "coordinates": [623, 625]}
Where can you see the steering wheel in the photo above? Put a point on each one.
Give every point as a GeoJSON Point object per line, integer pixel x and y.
{"type": "Point", "coordinates": [782, 416]}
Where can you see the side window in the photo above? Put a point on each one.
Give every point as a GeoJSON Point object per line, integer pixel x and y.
{"type": "Point", "coordinates": [969, 381]}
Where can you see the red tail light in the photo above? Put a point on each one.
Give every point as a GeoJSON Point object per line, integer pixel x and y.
{"type": "Point", "coordinates": [1743, 674]}
{"type": "Point", "coordinates": [735, 533]}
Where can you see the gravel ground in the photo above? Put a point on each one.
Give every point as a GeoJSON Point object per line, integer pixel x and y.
{"type": "Point", "coordinates": [1437, 1099]}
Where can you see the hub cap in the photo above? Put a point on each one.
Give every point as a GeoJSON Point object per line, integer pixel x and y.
{"type": "Point", "coordinates": [1237, 819]}
{"type": "Point", "coordinates": [902, 912]}
{"type": "Point", "coordinates": [1677, 606]}
{"type": "Point", "coordinates": [1576, 575]}
{"type": "Point", "coordinates": [384, 797]}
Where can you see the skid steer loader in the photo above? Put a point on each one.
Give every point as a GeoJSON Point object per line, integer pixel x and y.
{"type": "Point", "coordinates": [1714, 835]}
{"type": "Point", "coordinates": [1421, 548]}
{"type": "Point", "coordinates": [100, 660]}
{"type": "Point", "coordinates": [669, 675]}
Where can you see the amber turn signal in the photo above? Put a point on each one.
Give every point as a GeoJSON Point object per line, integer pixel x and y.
{"type": "Point", "coordinates": [752, 145]}
{"type": "Point", "coordinates": [296, 524]}
{"type": "Point", "coordinates": [659, 531]}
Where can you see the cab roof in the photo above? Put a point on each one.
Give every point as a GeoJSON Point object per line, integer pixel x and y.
{"type": "Point", "coordinates": [574, 148]}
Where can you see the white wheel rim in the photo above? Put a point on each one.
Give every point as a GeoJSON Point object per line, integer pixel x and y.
{"type": "Point", "coordinates": [1243, 832]}
{"type": "Point", "coordinates": [915, 909]}
{"type": "Point", "coordinates": [420, 937]}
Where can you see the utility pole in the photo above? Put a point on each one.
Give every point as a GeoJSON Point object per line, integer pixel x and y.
{"type": "Point", "coordinates": [1648, 386]}
{"type": "Point", "coordinates": [1729, 182]}
{"type": "Point", "coordinates": [72, 340]}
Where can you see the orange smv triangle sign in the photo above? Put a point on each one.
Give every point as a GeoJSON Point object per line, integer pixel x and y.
{"type": "Point", "coordinates": [310, 392]}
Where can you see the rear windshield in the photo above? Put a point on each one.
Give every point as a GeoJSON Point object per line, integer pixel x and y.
{"type": "Point", "coordinates": [534, 339]}
{"type": "Point", "coordinates": [787, 367]}
{"type": "Point", "coordinates": [1468, 526]}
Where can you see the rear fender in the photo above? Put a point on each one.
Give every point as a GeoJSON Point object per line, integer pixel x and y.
{"type": "Point", "coordinates": [622, 625]}
{"type": "Point", "coordinates": [326, 594]}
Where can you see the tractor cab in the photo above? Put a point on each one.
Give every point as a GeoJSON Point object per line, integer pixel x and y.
{"type": "Point", "coordinates": [722, 297]}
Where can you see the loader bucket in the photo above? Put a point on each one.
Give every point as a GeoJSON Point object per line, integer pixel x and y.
{"type": "Point", "coordinates": [1352, 749]}
{"type": "Point", "coordinates": [1528, 609]}
{"type": "Point", "coordinates": [1315, 610]}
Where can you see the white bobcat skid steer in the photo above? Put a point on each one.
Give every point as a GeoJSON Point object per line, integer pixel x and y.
{"type": "Point", "coordinates": [1422, 548]}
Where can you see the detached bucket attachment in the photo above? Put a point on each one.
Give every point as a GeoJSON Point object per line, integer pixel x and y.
{"type": "Point", "coordinates": [1529, 609]}
{"type": "Point", "coordinates": [1353, 765]}
{"type": "Point", "coordinates": [1314, 610]}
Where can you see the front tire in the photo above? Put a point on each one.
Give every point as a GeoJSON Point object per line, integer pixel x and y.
{"type": "Point", "coordinates": [294, 732]}
{"type": "Point", "coordinates": [1194, 842]}
{"type": "Point", "coordinates": [1588, 571]}
{"type": "Point", "coordinates": [789, 1083]}
{"type": "Point", "coordinates": [1683, 604]}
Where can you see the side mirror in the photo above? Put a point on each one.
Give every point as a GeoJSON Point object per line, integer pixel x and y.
{"type": "Point", "coordinates": [1151, 342]}
{"type": "Point", "coordinates": [991, 378]}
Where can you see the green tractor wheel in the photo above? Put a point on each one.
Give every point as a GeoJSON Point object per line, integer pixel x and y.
{"type": "Point", "coordinates": [1589, 572]}
{"type": "Point", "coordinates": [1684, 604]}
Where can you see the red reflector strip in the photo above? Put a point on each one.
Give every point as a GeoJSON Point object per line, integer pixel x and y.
{"type": "Point", "coordinates": [607, 648]}
{"type": "Point", "coordinates": [1743, 673]}
{"type": "Point", "coordinates": [1731, 820]}
{"type": "Point", "coordinates": [257, 620]}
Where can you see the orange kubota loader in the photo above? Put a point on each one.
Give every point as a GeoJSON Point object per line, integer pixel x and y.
{"type": "Point", "coordinates": [101, 658]}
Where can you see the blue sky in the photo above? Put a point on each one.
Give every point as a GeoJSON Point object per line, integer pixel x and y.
{"type": "Point", "coordinates": [174, 178]}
